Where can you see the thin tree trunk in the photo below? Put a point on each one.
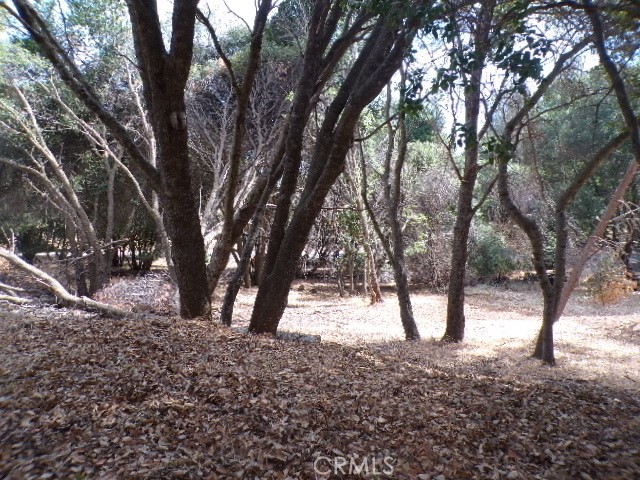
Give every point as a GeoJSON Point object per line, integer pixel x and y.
{"type": "Point", "coordinates": [460, 248]}
{"type": "Point", "coordinates": [226, 314]}
{"type": "Point", "coordinates": [392, 191]}
{"type": "Point", "coordinates": [79, 268]}
{"type": "Point", "coordinates": [459, 252]}
{"type": "Point", "coordinates": [372, 285]}
{"type": "Point", "coordinates": [229, 233]}
{"type": "Point", "coordinates": [220, 255]}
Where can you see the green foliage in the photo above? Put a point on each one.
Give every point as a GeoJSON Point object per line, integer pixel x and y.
{"type": "Point", "coordinates": [498, 150]}
{"type": "Point", "coordinates": [350, 226]}
{"type": "Point", "coordinates": [570, 136]}
{"type": "Point", "coordinates": [490, 255]}
{"type": "Point", "coordinates": [515, 47]}
{"type": "Point", "coordinates": [421, 224]}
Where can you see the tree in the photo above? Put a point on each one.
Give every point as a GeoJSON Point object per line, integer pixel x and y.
{"type": "Point", "coordinates": [232, 226]}
{"type": "Point", "coordinates": [500, 34]}
{"type": "Point", "coordinates": [164, 72]}
{"type": "Point", "coordinates": [397, 143]}
{"type": "Point", "coordinates": [551, 287]}
{"type": "Point", "coordinates": [481, 34]}
{"type": "Point", "coordinates": [389, 37]}
{"type": "Point", "coordinates": [48, 176]}
{"type": "Point", "coordinates": [358, 192]}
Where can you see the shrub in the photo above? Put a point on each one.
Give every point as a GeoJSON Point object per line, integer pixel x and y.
{"type": "Point", "coordinates": [489, 255]}
{"type": "Point", "coordinates": [608, 284]}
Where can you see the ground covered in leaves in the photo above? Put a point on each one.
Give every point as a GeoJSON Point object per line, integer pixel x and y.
{"type": "Point", "coordinates": [88, 397]}
{"type": "Point", "coordinates": [158, 397]}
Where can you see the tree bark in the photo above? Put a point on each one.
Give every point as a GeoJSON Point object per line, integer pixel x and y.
{"type": "Point", "coordinates": [379, 58]}
{"type": "Point", "coordinates": [392, 190]}
{"type": "Point", "coordinates": [460, 249]}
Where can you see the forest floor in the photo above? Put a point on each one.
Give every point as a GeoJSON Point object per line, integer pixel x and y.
{"type": "Point", "coordinates": [159, 397]}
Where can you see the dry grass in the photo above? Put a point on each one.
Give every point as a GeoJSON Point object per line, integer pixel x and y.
{"type": "Point", "coordinates": [593, 341]}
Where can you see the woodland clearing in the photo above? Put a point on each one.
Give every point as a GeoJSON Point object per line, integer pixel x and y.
{"type": "Point", "coordinates": [161, 397]}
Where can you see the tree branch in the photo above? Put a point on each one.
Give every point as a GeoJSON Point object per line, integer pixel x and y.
{"type": "Point", "coordinates": [58, 290]}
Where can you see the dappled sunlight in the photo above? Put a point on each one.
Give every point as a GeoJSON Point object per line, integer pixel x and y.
{"type": "Point", "coordinates": [593, 343]}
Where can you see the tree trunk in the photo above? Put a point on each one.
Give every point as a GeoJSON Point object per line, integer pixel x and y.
{"type": "Point", "coordinates": [259, 259]}
{"type": "Point", "coordinates": [455, 297]}
{"type": "Point", "coordinates": [380, 57]}
{"type": "Point", "coordinates": [352, 271]}
{"type": "Point", "coordinates": [180, 207]}
{"type": "Point", "coordinates": [544, 345]}
{"type": "Point", "coordinates": [164, 75]}
{"type": "Point", "coordinates": [392, 190]}
{"type": "Point", "coordinates": [79, 269]}
{"type": "Point", "coordinates": [356, 187]}
{"type": "Point", "coordinates": [544, 349]}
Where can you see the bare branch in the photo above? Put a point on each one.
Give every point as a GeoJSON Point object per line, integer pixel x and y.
{"type": "Point", "coordinates": [58, 290]}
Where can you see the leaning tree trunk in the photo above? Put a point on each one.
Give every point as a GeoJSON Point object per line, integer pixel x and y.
{"type": "Point", "coordinates": [226, 314]}
{"type": "Point", "coordinates": [392, 189]}
{"type": "Point", "coordinates": [379, 59]}
{"type": "Point", "coordinates": [54, 287]}
{"type": "Point", "coordinates": [590, 248]}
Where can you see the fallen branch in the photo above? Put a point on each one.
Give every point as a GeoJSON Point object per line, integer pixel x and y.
{"type": "Point", "coordinates": [9, 288]}
{"type": "Point", "coordinates": [13, 299]}
{"type": "Point", "coordinates": [66, 299]}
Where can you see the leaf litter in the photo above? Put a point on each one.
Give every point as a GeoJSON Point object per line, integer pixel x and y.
{"type": "Point", "coordinates": [162, 398]}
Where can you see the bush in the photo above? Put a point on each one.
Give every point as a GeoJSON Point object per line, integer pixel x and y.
{"type": "Point", "coordinates": [608, 283]}
{"type": "Point", "coordinates": [489, 255]}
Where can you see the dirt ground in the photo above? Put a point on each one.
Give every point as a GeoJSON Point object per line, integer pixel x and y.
{"type": "Point", "coordinates": [593, 342]}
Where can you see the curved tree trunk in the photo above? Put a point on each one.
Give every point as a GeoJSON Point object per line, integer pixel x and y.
{"type": "Point", "coordinates": [64, 297]}
{"type": "Point", "coordinates": [380, 57]}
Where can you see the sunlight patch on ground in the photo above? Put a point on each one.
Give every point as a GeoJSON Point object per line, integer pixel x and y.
{"type": "Point", "coordinates": [501, 329]}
